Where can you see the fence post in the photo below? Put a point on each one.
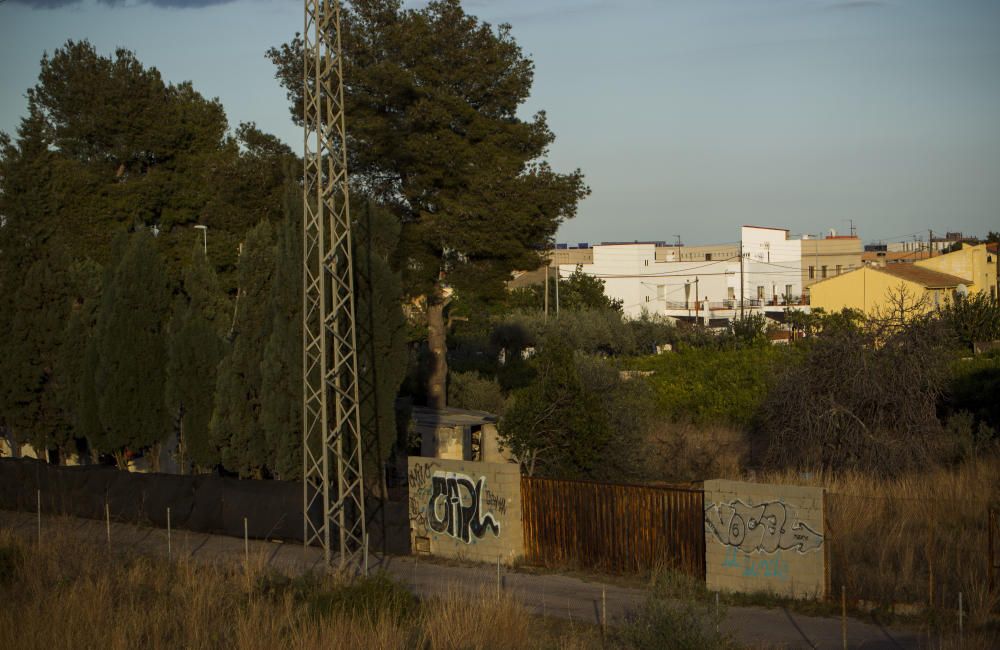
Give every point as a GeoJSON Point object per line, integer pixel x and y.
{"type": "Point", "coordinates": [990, 564]}
{"type": "Point", "coordinates": [498, 577]}
{"type": "Point", "coordinates": [843, 614]}
{"type": "Point", "coordinates": [960, 613]}
{"type": "Point", "coordinates": [169, 553]}
{"type": "Point", "coordinates": [604, 609]}
{"type": "Point", "coordinates": [39, 511]}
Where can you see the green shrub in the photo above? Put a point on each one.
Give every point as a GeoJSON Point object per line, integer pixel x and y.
{"type": "Point", "coordinates": [712, 387]}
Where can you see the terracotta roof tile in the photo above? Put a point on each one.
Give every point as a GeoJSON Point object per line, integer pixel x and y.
{"type": "Point", "coordinates": [921, 275]}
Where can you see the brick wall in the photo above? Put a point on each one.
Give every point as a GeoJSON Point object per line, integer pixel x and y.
{"type": "Point", "coordinates": [464, 509]}
{"type": "Point", "coordinates": [761, 537]}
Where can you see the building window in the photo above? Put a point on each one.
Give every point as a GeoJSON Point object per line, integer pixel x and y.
{"type": "Point", "coordinates": [838, 269]}
{"type": "Point", "coordinates": [645, 262]}
{"type": "Point", "coordinates": [647, 298]}
{"type": "Point", "coordinates": [760, 293]}
{"type": "Point", "coordinates": [823, 271]}
{"type": "Point", "coordinates": [788, 292]}
{"type": "Point", "coordinates": [659, 292]}
{"type": "Point", "coordinates": [812, 273]}
{"type": "Point", "coordinates": [708, 257]}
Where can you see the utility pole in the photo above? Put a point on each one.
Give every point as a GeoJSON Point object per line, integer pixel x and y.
{"type": "Point", "coordinates": [697, 301]}
{"type": "Point", "coordinates": [545, 318]}
{"type": "Point", "coordinates": [333, 482]}
{"type": "Point", "coordinates": [930, 243]}
{"type": "Point", "coordinates": [558, 274]}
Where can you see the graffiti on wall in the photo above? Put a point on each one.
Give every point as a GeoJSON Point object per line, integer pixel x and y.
{"type": "Point", "coordinates": [456, 508]}
{"type": "Point", "coordinates": [419, 480]}
{"type": "Point", "coordinates": [452, 504]}
{"type": "Point", "coordinates": [767, 528]}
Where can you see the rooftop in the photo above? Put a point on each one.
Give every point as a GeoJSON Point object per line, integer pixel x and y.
{"type": "Point", "coordinates": [921, 275]}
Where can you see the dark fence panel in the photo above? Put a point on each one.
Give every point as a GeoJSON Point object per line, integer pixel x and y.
{"type": "Point", "coordinates": [613, 527]}
{"type": "Point", "coordinates": [204, 503]}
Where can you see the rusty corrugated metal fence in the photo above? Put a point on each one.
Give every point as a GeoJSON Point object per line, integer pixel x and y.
{"type": "Point", "coordinates": [614, 527]}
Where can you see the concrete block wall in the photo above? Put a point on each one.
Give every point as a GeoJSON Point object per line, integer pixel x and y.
{"type": "Point", "coordinates": [761, 537]}
{"type": "Point", "coordinates": [464, 509]}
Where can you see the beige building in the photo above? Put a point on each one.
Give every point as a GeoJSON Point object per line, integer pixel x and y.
{"type": "Point", "coordinates": [828, 258]}
{"type": "Point", "coordinates": [877, 290]}
{"type": "Point", "coordinates": [976, 265]}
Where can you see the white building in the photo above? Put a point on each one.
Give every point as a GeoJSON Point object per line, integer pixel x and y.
{"type": "Point", "coordinates": [707, 289]}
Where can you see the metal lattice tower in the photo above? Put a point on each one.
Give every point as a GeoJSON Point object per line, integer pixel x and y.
{"type": "Point", "coordinates": [333, 485]}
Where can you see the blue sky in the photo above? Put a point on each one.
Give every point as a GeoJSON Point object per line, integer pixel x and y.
{"type": "Point", "coordinates": [687, 117]}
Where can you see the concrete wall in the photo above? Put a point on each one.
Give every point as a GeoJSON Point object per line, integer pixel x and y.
{"type": "Point", "coordinates": [761, 537]}
{"type": "Point", "coordinates": [465, 510]}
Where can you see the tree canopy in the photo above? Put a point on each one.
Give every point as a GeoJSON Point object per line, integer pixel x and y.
{"type": "Point", "coordinates": [432, 97]}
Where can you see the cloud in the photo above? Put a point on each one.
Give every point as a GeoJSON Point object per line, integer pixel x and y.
{"type": "Point", "coordinates": [168, 4]}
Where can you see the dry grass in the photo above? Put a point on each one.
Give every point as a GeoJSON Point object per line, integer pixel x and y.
{"type": "Point", "coordinates": [918, 539]}
{"type": "Point", "coordinates": [67, 595]}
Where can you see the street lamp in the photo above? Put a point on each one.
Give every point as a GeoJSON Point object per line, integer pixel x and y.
{"type": "Point", "coordinates": [204, 232]}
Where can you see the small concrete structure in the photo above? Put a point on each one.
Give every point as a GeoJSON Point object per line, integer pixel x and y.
{"type": "Point", "coordinates": [458, 434]}
{"type": "Point", "coordinates": [465, 510]}
{"type": "Point", "coordinates": [765, 538]}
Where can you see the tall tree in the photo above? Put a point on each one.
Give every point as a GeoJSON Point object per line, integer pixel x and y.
{"type": "Point", "coordinates": [381, 331]}
{"type": "Point", "coordinates": [130, 343]}
{"type": "Point", "coordinates": [108, 144]}
{"type": "Point", "coordinates": [29, 379]}
{"type": "Point", "coordinates": [73, 367]}
{"type": "Point", "coordinates": [432, 97]}
{"type": "Point", "coordinates": [236, 429]}
{"type": "Point", "coordinates": [195, 348]}
{"type": "Point", "coordinates": [281, 366]}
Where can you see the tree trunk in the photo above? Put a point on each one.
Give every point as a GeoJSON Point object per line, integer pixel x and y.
{"type": "Point", "coordinates": [437, 343]}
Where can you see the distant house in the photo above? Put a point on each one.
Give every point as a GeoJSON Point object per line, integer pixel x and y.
{"type": "Point", "coordinates": [977, 265]}
{"type": "Point", "coordinates": [872, 289]}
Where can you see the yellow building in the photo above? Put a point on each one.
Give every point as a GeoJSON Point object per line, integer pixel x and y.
{"type": "Point", "coordinates": [975, 264]}
{"type": "Point", "coordinates": [874, 289]}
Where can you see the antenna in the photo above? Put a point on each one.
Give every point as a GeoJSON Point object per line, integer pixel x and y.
{"type": "Point", "coordinates": [333, 485]}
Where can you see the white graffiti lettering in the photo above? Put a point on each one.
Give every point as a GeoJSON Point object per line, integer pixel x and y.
{"type": "Point", "coordinates": [765, 528]}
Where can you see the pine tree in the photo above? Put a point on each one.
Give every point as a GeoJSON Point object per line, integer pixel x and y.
{"type": "Point", "coordinates": [131, 352]}
{"type": "Point", "coordinates": [236, 429]}
{"type": "Point", "coordinates": [435, 132]}
{"type": "Point", "coordinates": [194, 351]}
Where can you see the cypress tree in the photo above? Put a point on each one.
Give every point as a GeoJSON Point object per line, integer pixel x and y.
{"type": "Point", "coordinates": [194, 351]}
{"type": "Point", "coordinates": [74, 366]}
{"type": "Point", "coordinates": [29, 379]}
{"type": "Point", "coordinates": [381, 331]}
{"type": "Point", "coordinates": [281, 367]}
{"type": "Point", "coordinates": [131, 352]}
{"type": "Point", "coordinates": [236, 428]}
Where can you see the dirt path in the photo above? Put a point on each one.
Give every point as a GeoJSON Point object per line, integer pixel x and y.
{"type": "Point", "coordinates": [545, 595]}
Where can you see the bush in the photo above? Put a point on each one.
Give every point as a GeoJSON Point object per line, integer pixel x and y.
{"type": "Point", "coordinates": [712, 387]}
{"type": "Point", "coordinates": [663, 622]}
{"type": "Point", "coordinates": [469, 390]}
{"type": "Point", "coordinates": [861, 399]}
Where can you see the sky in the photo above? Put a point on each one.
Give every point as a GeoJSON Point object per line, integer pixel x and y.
{"type": "Point", "coordinates": [687, 117]}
